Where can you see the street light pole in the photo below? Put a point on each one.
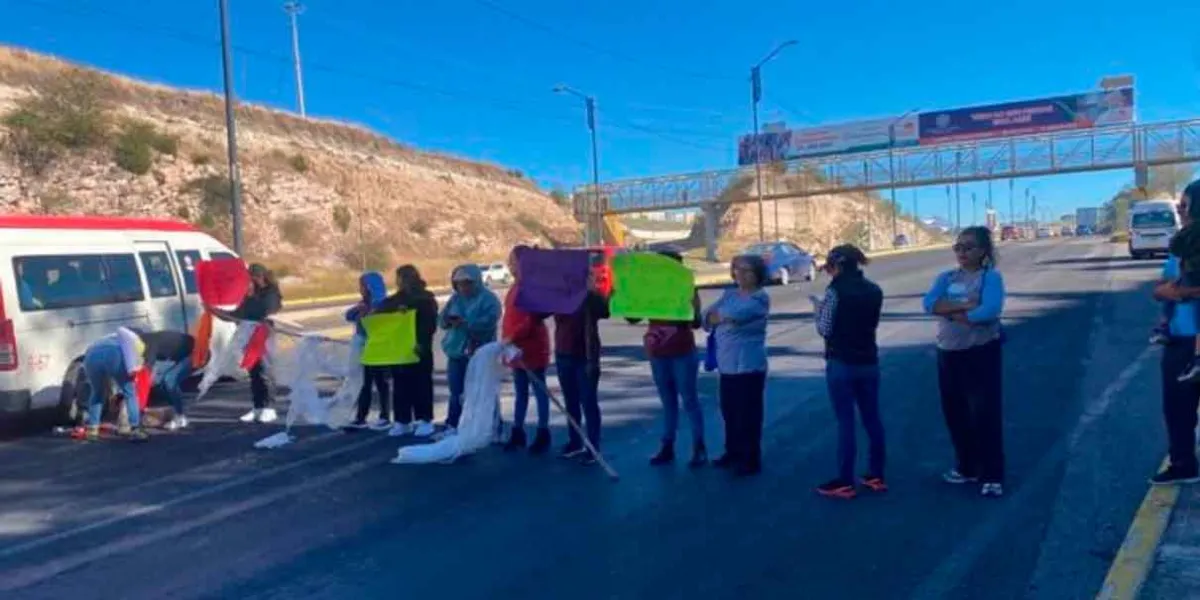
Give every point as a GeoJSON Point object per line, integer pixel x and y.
{"type": "Point", "coordinates": [591, 214]}
{"type": "Point", "coordinates": [1012, 211]}
{"type": "Point", "coordinates": [892, 170]}
{"type": "Point", "coordinates": [917, 215]}
{"type": "Point", "coordinates": [293, 9]}
{"type": "Point", "coordinates": [235, 186]}
{"type": "Point", "coordinates": [755, 96]}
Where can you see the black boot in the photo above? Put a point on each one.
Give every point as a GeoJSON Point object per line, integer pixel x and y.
{"type": "Point", "coordinates": [665, 456]}
{"type": "Point", "coordinates": [541, 442]}
{"type": "Point", "coordinates": [699, 456]}
{"type": "Point", "coordinates": [516, 440]}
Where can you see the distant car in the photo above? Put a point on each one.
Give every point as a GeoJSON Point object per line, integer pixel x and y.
{"type": "Point", "coordinates": [1067, 232]}
{"type": "Point", "coordinates": [1044, 232]}
{"type": "Point", "coordinates": [496, 274]}
{"type": "Point", "coordinates": [1008, 232]}
{"type": "Point", "coordinates": [901, 241]}
{"type": "Point", "coordinates": [1083, 230]}
{"type": "Point", "coordinates": [785, 261]}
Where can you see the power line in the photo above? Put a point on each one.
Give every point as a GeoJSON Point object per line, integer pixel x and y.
{"type": "Point", "coordinates": [554, 31]}
{"type": "Point", "coordinates": [128, 22]}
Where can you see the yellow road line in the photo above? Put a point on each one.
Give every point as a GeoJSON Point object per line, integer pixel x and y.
{"type": "Point", "coordinates": [1134, 560]}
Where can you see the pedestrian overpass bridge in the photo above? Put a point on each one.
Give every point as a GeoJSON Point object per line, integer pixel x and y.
{"type": "Point", "coordinates": [1135, 146]}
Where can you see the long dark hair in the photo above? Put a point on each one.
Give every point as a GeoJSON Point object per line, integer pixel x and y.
{"type": "Point", "coordinates": [983, 237]}
{"type": "Point", "coordinates": [411, 277]}
{"type": "Point", "coordinates": [257, 269]}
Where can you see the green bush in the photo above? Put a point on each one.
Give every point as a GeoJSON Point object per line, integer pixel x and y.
{"type": "Point", "coordinates": [371, 254]}
{"type": "Point", "coordinates": [133, 154]}
{"type": "Point", "coordinates": [200, 159]}
{"type": "Point", "coordinates": [341, 218]}
{"type": "Point", "coordinates": [296, 230]}
{"type": "Point", "coordinates": [299, 163]}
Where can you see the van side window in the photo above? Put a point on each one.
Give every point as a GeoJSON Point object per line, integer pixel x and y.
{"type": "Point", "coordinates": [159, 275]}
{"type": "Point", "coordinates": [71, 281]}
{"type": "Point", "coordinates": [218, 255]}
{"type": "Point", "coordinates": [187, 266]}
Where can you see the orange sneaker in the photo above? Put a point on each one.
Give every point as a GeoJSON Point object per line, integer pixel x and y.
{"type": "Point", "coordinates": [875, 484]}
{"type": "Point", "coordinates": [837, 488]}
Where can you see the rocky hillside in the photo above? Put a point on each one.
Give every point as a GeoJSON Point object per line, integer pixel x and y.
{"type": "Point", "coordinates": [329, 196]}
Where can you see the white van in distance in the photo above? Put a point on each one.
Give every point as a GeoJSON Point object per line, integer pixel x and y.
{"type": "Point", "coordinates": [67, 281]}
{"type": "Point", "coordinates": [1151, 225]}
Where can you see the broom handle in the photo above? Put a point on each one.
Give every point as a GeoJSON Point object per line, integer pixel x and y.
{"type": "Point", "coordinates": [574, 425]}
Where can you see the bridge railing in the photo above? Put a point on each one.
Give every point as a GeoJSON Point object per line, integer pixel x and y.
{"type": "Point", "coordinates": [1026, 156]}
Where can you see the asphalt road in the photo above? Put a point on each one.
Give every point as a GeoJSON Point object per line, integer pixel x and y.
{"type": "Point", "coordinates": [202, 515]}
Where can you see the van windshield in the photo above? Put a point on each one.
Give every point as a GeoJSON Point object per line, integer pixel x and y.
{"type": "Point", "coordinates": [1153, 220]}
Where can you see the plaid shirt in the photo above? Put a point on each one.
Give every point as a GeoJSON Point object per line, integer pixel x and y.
{"type": "Point", "coordinates": [826, 310]}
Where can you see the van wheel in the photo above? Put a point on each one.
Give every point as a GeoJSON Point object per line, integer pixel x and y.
{"type": "Point", "coordinates": [72, 403]}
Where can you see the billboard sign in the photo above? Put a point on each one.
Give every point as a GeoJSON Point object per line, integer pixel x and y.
{"type": "Point", "coordinates": [1028, 117]}
{"type": "Point", "coordinates": [845, 138]}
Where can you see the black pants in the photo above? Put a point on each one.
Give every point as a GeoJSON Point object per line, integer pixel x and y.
{"type": "Point", "coordinates": [260, 392]}
{"type": "Point", "coordinates": [379, 377]}
{"type": "Point", "coordinates": [742, 411]}
{"type": "Point", "coordinates": [412, 393]}
{"type": "Point", "coordinates": [1180, 401]}
{"type": "Point", "coordinates": [972, 398]}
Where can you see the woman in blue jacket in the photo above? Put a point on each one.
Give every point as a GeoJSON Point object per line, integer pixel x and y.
{"type": "Point", "coordinates": [373, 289]}
{"type": "Point", "coordinates": [739, 319]}
{"type": "Point", "coordinates": [470, 320]}
{"type": "Point", "coordinates": [969, 301]}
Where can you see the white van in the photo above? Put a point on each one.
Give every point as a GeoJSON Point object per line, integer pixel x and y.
{"type": "Point", "coordinates": [67, 281]}
{"type": "Point", "coordinates": [1151, 225]}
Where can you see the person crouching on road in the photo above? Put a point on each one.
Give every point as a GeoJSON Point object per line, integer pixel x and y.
{"type": "Point", "coordinates": [528, 334]}
{"type": "Point", "coordinates": [412, 385]}
{"type": "Point", "coordinates": [969, 301]}
{"type": "Point", "coordinates": [577, 361]}
{"type": "Point", "coordinates": [470, 319]}
{"type": "Point", "coordinates": [671, 348]}
{"type": "Point", "coordinates": [263, 300]}
{"type": "Point", "coordinates": [373, 289]}
{"type": "Point", "coordinates": [847, 318]}
{"type": "Point", "coordinates": [114, 360]}
{"type": "Point", "coordinates": [739, 318]}
{"type": "Point", "coordinates": [174, 348]}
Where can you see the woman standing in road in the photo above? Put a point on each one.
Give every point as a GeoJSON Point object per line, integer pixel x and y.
{"type": "Point", "coordinates": [470, 320]}
{"type": "Point", "coordinates": [412, 385]}
{"type": "Point", "coordinates": [739, 319]}
{"type": "Point", "coordinates": [263, 300]}
{"type": "Point", "coordinates": [969, 301]}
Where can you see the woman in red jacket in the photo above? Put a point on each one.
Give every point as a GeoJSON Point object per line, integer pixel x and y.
{"type": "Point", "coordinates": [528, 333]}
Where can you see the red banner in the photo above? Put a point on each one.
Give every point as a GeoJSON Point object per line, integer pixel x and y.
{"type": "Point", "coordinates": [222, 282]}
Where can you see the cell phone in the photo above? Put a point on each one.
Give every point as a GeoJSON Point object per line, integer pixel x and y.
{"type": "Point", "coordinates": [814, 299]}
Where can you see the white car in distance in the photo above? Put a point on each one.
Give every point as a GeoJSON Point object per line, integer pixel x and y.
{"type": "Point", "coordinates": [496, 274]}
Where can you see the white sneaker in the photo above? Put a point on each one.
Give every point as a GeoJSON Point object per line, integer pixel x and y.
{"type": "Point", "coordinates": [251, 416]}
{"type": "Point", "coordinates": [381, 425]}
{"type": "Point", "coordinates": [177, 423]}
{"type": "Point", "coordinates": [400, 429]}
{"type": "Point", "coordinates": [423, 429]}
{"type": "Point", "coordinates": [267, 416]}
{"type": "Point", "coordinates": [991, 490]}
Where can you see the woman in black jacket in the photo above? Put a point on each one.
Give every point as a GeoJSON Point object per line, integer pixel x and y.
{"type": "Point", "coordinates": [264, 300]}
{"type": "Point", "coordinates": [412, 387]}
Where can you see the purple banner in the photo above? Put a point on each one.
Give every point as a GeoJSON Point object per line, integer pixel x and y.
{"type": "Point", "coordinates": [552, 282]}
{"type": "Point", "coordinates": [1028, 117]}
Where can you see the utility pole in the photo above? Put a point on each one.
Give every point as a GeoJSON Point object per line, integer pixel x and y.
{"type": "Point", "coordinates": [892, 170]}
{"type": "Point", "coordinates": [592, 232]}
{"type": "Point", "coordinates": [974, 215]}
{"type": "Point", "coordinates": [1012, 211]}
{"type": "Point", "coordinates": [755, 97]}
{"type": "Point", "coordinates": [1027, 219]}
{"type": "Point", "coordinates": [235, 178]}
{"type": "Point", "coordinates": [917, 215]}
{"type": "Point", "coordinates": [949, 209]}
{"type": "Point", "coordinates": [957, 192]}
{"type": "Point", "coordinates": [293, 8]}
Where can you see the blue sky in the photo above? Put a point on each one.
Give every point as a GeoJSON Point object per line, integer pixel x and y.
{"type": "Point", "coordinates": [465, 77]}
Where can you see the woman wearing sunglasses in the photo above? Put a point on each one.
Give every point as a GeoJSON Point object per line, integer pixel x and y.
{"type": "Point", "coordinates": [968, 301]}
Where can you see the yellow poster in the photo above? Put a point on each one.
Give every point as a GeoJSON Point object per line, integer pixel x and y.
{"type": "Point", "coordinates": [391, 339]}
{"type": "Point", "coordinates": [652, 286]}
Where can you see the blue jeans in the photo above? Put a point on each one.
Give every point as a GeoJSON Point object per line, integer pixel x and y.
{"type": "Point", "coordinates": [103, 364]}
{"type": "Point", "coordinates": [675, 378]}
{"type": "Point", "coordinates": [850, 386]}
{"type": "Point", "coordinates": [456, 377]}
{"type": "Point", "coordinates": [580, 384]}
{"type": "Point", "coordinates": [171, 380]}
{"type": "Point", "coordinates": [521, 385]}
